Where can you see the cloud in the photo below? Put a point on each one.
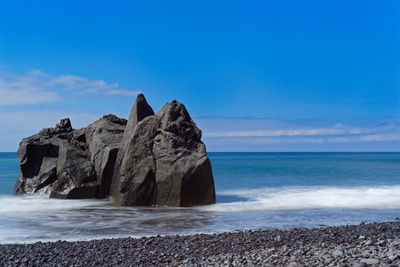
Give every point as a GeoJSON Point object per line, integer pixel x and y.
{"type": "Point", "coordinates": [123, 92]}
{"type": "Point", "coordinates": [17, 125]}
{"type": "Point", "coordinates": [34, 121]}
{"type": "Point", "coordinates": [337, 129]}
{"type": "Point", "coordinates": [294, 132]}
{"type": "Point", "coordinates": [9, 96]}
{"type": "Point", "coordinates": [36, 87]}
{"type": "Point", "coordinates": [277, 133]}
{"type": "Point", "coordinates": [329, 140]}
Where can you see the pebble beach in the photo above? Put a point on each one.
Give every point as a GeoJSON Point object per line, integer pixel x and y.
{"type": "Point", "coordinates": [372, 244]}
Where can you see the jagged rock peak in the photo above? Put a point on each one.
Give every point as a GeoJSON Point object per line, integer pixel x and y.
{"type": "Point", "coordinates": [114, 119]}
{"type": "Point", "coordinates": [140, 110]}
{"type": "Point", "coordinates": [64, 124]}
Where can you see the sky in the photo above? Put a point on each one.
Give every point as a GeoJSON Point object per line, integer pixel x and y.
{"type": "Point", "coordinates": [254, 75]}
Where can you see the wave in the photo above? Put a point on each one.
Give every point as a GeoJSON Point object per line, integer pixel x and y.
{"type": "Point", "coordinates": [295, 198]}
{"type": "Point", "coordinates": [286, 198]}
{"type": "Point", "coordinates": [26, 203]}
{"type": "Point", "coordinates": [28, 219]}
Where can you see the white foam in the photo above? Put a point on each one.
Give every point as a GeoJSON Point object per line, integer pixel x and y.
{"type": "Point", "coordinates": [34, 218]}
{"type": "Point", "coordinates": [294, 198]}
{"type": "Point", "coordinates": [40, 204]}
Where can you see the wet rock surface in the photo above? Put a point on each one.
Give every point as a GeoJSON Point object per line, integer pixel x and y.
{"type": "Point", "coordinates": [375, 244]}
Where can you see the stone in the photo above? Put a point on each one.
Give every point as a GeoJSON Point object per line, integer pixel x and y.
{"type": "Point", "coordinates": [103, 138]}
{"type": "Point", "coordinates": [387, 261]}
{"type": "Point", "coordinates": [38, 159]}
{"type": "Point", "coordinates": [337, 253]}
{"type": "Point", "coordinates": [140, 110]}
{"type": "Point", "coordinates": [369, 242]}
{"type": "Point", "coordinates": [165, 163]}
{"type": "Point", "coordinates": [65, 163]}
{"type": "Point", "coordinates": [370, 261]}
{"type": "Point", "coordinates": [75, 174]}
{"type": "Point", "coordinates": [393, 257]}
{"type": "Point", "coordinates": [184, 175]}
{"type": "Point", "coordinates": [149, 160]}
{"type": "Point", "coordinates": [136, 175]}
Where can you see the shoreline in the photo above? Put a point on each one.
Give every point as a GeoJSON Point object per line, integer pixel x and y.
{"type": "Point", "coordinates": [372, 244]}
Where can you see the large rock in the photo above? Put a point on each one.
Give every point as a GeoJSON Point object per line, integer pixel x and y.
{"type": "Point", "coordinates": [75, 174]}
{"type": "Point", "coordinates": [135, 179]}
{"type": "Point", "coordinates": [38, 156]}
{"type": "Point", "coordinates": [66, 163]}
{"type": "Point", "coordinates": [104, 137]}
{"type": "Point", "coordinates": [140, 110]}
{"type": "Point", "coordinates": [154, 160]}
{"type": "Point", "coordinates": [184, 175]}
{"type": "Point", "coordinates": [165, 162]}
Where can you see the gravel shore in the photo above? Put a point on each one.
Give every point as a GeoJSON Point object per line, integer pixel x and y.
{"type": "Point", "coordinates": [374, 244]}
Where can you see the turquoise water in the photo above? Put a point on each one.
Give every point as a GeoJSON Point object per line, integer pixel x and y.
{"type": "Point", "coordinates": [254, 170]}
{"type": "Point", "coordinates": [9, 169]}
{"type": "Point", "coordinates": [254, 190]}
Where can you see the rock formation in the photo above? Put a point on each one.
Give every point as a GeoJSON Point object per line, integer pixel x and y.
{"type": "Point", "coordinates": [140, 110]}
{"type": "Point", "coordinates": [165, 162]}
{"type": "Point", "coordinates": [146, 161]}
{"type": "Point", "coordinates": [66, 163]}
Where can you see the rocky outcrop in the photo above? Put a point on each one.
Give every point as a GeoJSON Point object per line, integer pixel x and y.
{"type": "Point", "coordinates": [151, 159]}
{"type": "Point", "coordinates": [66, 163]}
{"type": "Point", "coordinates": [165, 162]}
{"type": "Point", "coordinates": [104, 137]}
{"type": "Point", "coordinates": [140, 110]}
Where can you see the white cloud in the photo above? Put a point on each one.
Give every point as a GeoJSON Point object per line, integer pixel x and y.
{"type": "Point", "coordinates": [10, 96]}
{"type": "Point", "coordinates": [123, 92]}
{"type": "Point", "coordinates": [296, 132]}
{"type": "Point", "coordinates": [375, 138]}
{"type": "Point", "coordinates": [37, 87]}
{"type": "Point", "coordinates": [35, 121]}
{"type": "Point", "coordinates": [14, 126]}
{"type": "Point", "coordinates": [336, 130]}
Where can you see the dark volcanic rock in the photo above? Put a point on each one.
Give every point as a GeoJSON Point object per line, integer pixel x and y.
{"type": "Point", "coordinates": [38, 156]}
{"type": "Point", "coordinates": [165, 162]}
{"type": "Point", "coordinates": [104, 138]}
{"type": "Point", "coordinates": [147, 160]}
{"type": "Point", "coordinates": [140, 110]}
{"type": "Point", "coordinates": [184, 175]}
{"type": "Point", "coordinates": [75, 174]}
{"type": "Point", "coordinates": [66, 163]}
{"type": "Point", "coordinates": [136, 184]}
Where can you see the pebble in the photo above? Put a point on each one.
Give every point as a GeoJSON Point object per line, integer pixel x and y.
{"type": "Point", "coordinates": [364, 245]}
{"type": "Point", "coordinates": [370, 261]}
{"type": "Point", "coordinates": [337, 253]}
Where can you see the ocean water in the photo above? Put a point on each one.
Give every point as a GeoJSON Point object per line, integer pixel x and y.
{"type": "Point", "coordinates": [254, 191]}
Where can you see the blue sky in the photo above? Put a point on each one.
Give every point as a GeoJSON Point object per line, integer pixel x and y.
{"type": "Point", "coordinates": [255, 75]}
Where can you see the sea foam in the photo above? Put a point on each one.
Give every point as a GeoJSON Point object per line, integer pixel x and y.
{"type": "Point", "coordinates": [293, 198]}
{"type": "Point", "coordinates": [26, 203]}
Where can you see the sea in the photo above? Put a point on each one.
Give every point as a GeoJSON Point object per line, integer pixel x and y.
{"type": "Point", "coordinates": [254, 191]}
